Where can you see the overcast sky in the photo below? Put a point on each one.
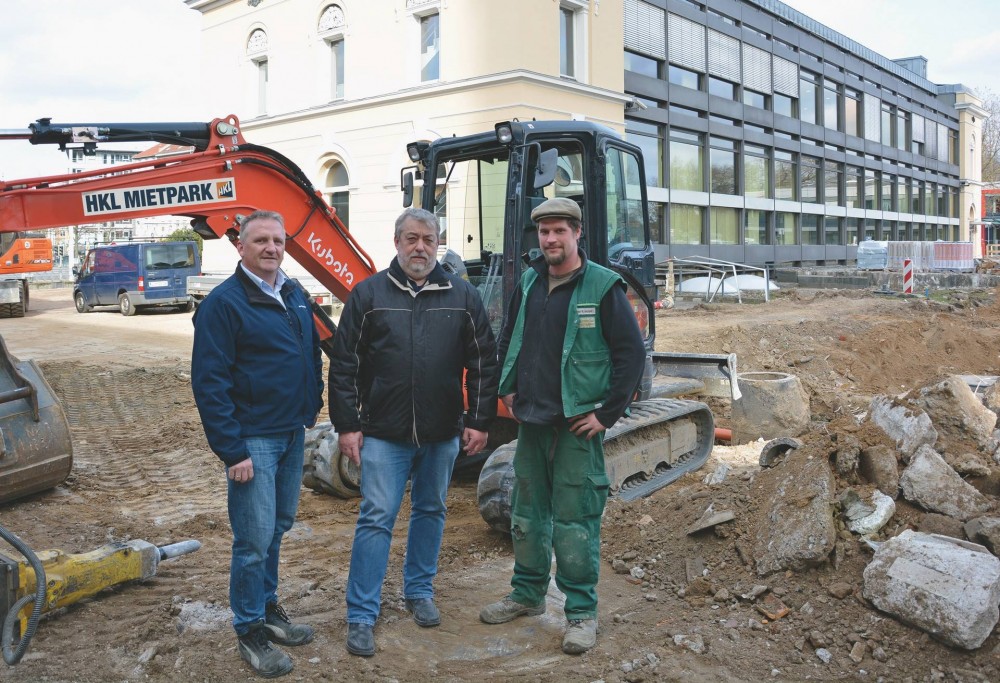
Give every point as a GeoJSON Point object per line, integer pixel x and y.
{"type": "Point", "coordinates": [81, 61]}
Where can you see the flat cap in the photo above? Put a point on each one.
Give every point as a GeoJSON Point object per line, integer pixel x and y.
{"type": "Point", "coordinates": [558, 207]}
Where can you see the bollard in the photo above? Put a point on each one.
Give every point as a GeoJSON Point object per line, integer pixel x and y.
{"type": "Point", "coordinates": [907, 276]}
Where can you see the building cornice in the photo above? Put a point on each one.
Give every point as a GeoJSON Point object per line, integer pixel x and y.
{"type": "Point", "coordinates": [973, 109]}
{"type": "Point", "coordinates": [449, 88]}
{"type": "Point", "coordinates": [206, 5]}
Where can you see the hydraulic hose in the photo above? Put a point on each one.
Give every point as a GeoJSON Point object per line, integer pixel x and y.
{"type": "Point", "coordinates": [13, 656]}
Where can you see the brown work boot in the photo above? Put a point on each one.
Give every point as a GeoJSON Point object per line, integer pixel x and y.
{"type": "Point", "coordinates": [507, 610]}
{"type": "Point", "coordinates": [257, 651]}
{"type": "Point", "coordinates": [581, 635]}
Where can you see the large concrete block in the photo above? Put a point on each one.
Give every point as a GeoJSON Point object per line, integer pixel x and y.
{"type": "Point", "coordinates": [934, 485]}
{"type": "Point", "coordinates": [909, 429]}
{"type": "Point", "coordinates": [794, 513]}
{"type": "Point", "coordinates": [956, 411]}
{"type": "Point", "coordinates": [946, 587]}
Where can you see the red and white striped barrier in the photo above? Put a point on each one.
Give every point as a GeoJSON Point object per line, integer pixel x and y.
{"type": "Point", "coordinates": [907, 276]}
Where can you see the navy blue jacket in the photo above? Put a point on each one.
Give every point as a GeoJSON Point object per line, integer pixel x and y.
{"type": "Point", "coordinates": [399, 357]}
{"type": "Point", "coordinates": [256, 368]}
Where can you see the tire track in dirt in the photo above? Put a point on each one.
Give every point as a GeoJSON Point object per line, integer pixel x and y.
{"type": "Point", "coordinates": [138, 442]}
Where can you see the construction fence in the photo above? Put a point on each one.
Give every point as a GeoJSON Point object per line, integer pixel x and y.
{"type": "Point", "coordinates": [925, 256]}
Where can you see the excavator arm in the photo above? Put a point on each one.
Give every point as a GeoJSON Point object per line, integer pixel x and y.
{"type": "Point", "coordinates": [217, 185]}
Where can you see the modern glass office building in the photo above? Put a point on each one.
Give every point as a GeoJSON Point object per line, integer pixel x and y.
{"type": "Point", "coordinates": [770, 138]}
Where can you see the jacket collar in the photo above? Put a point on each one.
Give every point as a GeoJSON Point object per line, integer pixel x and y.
{"type": "Point", "coordinates": [437, 279]}
{"type": "Point", "coordinates": [253, 291]}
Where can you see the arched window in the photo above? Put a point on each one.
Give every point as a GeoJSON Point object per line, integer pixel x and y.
{"type": "Point", "coordinates": [331, 28]}
{"type": "Point", "coordinates": [257, 52]}
{"type": "Point", "coordinates": [336, 181]}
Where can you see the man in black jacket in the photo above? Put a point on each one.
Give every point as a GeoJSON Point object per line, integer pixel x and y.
{"type": "Point", "coordinates": [406, 337]}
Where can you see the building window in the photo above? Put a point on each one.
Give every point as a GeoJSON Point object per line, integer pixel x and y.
{"type": "Point", "coordinates": [831, 183]}
{"type": "Point", "coordinates": [887, 125]}
{"type": "Point", "coordinates": [831, 230]}
{"type": "Point", "coordinates": [888, 186]}
{"type": "Point", "coordinates": [430, 48]}
{"type": "Point", "coordinates": [810, 228]}
{"type": "Point", "coordinates": [724, 228]}
{"type": "Point", "coordinates": [755, 177]}
{"type": "Point", "coordinates": [810, 180]}
{"type": "Point", "coordinates": [566, 39]}
{"type": "Point", "coordinates": [755, 230]}
{"type": "Point", "coordinates": [900, 129]}
{"type": "Point", "coordinates": [261, 86]}
{"type": "Point", "coordinates": [902, 194]}
{"type": "Point", "coordinates": [331, 27]}
{"type": "Point", "coordinates": [852, 188]}
{"type": "Point", "coordinates": [257, 52]}
{"type": "Point", "coordinates": [687, 156]}
{"type": "Point", "coordinates": [871, 189]}
{"type": "Point", "coordinates": [723, 161]}
{"type": "Point", "coordinates": [686, 224]}
{"type": "Point", "coordinates": [337, 192]}
{"type": "Point", "coordinates": [684, 77]}
{"type": "Point", "coordinates": [784, 105]}
{"type": "Point", "coordinates": [784, 176]}
{"type": "Point", "coordinates": [721, 88]}
{"type": "Point", "coordinates": [942, 200]}
{"type": "Point", "coordinates": [641, 64]}
{"type": "Point", "coordinates": [807, 97]}
{"type": "Point", "coordinates": [830, 113]}
{"type": "Point", "coordinates": [916, 196]}
{"type": "Point", "coordinates": [754, 99]}
{"type": "Point", "coordinates": [852, 107]}
{"type": "Point", "coordinates": [649, 139]}
{"type": "Point", "coordinates": [784, 228]}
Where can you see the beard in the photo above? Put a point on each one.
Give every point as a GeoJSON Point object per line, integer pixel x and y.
{"type": "Point", "coordinates": [555, 258]}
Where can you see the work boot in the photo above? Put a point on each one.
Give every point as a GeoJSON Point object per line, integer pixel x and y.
{"type": "Point", "coordinates": [257, 651]}
{"type": "Point", "coordinates": [360, 640]}
{"type": "Point", "coordinates": [281, 630]}
{"type": "Point", "coordinates": [507, 610]}
{"type": "Point", "coordinates": [425, 613]}
{"type": "Point", "coordinates": [581, 635]}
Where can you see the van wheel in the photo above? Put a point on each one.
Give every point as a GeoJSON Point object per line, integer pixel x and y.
{"type": "Point", "coordinates": [81, 303]}
{"type": "Point", "coordinates": [125, 304]}
{"type": "Point", "coordinates": [189, 306]}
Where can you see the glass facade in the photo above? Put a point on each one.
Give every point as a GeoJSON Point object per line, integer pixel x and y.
{"type": "Point", "coordinates": [842, 159]}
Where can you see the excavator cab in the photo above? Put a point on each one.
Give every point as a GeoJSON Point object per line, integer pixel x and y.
{"type": "Point", "coordinates": [483, 188]}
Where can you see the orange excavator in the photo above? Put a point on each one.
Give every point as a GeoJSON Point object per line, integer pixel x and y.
{"type": "Point", "coordinates": [21, 255]}
{"type": "Point", "coordinates": [483, 187]}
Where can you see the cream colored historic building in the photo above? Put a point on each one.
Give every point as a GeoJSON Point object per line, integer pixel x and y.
{"type": "Point", "coordinates": [341, 87]}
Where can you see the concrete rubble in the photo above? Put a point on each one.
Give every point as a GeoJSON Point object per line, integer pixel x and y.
{"type": "Point", "coordinates": [909, 429]}
{"type": "Point", "coordinates": [933, 484]}
{"type": "Point", "coordinates": [796, 526]}
{"type": "Point", "coordinates": [946, 587]}
{"type": "Point", "coordinates": [865, 517]}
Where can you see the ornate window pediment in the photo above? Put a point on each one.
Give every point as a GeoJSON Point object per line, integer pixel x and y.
{"type": "Point", "coordinates": [257, 43]}
{"type": "Point", "coordinates": [332, 19]}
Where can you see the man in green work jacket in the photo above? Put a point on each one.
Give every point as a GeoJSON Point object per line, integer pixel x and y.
{"type": "Point", "coordinates": [572, 357]}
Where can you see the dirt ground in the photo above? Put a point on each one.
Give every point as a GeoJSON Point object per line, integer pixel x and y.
{"type": "Point", "coordinates": [144, 471]}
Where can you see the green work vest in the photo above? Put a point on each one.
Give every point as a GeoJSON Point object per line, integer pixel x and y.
{"type": "Point", "coordinates": [586, 359]}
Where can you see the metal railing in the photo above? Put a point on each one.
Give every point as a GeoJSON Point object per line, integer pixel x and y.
{"type": "Point", "coordinates": [723, 276]}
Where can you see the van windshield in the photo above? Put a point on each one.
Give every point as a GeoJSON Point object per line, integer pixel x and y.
{"type": "Point", "coordinates": [175, 255]}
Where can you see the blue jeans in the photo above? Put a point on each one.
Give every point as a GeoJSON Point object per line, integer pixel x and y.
{"type": "Point", "coordinates": [260, 512]}
{"type": "Point", "coordinates": [385, 467]}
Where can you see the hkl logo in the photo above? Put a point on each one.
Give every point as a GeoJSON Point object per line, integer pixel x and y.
{"type": "Point", "coordinates": [225, 189]}
{"type": "Point", "coordinates": [325, 253]}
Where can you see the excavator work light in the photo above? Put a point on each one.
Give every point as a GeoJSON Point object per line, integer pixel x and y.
{"type": "Point", "coordinates": [415, 150]}
{"type": "Point", "coordinates": [504, 133]}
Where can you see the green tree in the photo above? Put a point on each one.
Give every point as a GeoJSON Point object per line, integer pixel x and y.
{"type": "Point", "coordinates": [186, 235]}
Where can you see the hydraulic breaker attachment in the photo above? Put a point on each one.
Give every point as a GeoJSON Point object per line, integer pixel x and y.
{"type": "Point", "coordinates": [714, 372]}
{"type": "Point", "coordinates": [69, 578]}
{"type": "Point", "coordinates": [35, 448]}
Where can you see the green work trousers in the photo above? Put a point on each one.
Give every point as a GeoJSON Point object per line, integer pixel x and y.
{"type": "Point", "coordinates": [559, 494]}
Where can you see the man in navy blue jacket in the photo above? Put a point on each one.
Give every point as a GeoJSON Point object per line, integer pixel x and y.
{"type": "Point", "coordinates": [257, 377]}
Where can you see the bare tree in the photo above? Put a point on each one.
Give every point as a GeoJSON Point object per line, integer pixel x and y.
{"type": "Point", "coordinates": [991, 136]}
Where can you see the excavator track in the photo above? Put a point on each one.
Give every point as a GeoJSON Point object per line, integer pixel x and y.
{"type": "Point", "coordinates": [659, 442]}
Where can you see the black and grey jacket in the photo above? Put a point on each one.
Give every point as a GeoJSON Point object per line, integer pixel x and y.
{"type": "Point", "coordinates": [399, 357]}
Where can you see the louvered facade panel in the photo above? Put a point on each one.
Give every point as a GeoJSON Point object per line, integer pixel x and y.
{"type": "Point", "coordinates": [873, 122]}
{"type": "Point", "coordinates": [723, 56]}
{"type": "Point", "coordinates": [786, 77]}
{"type": "Point", "coordinates": [645, 29]}
{"type": "Point", "coordinates": [686, 43]}
{"type": "Point", "coordinates": [756, 69]}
